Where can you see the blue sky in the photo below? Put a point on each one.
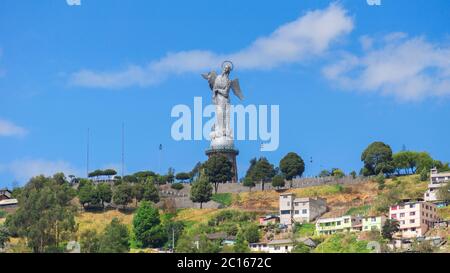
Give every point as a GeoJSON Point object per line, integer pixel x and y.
{"type": "Point", "coordinates": [344, 74]}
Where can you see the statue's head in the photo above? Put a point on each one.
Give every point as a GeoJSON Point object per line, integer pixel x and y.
{"type": "Point", "coordinates": [227, 67]}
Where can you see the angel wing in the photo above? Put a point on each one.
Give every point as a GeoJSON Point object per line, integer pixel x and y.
{"type": "Point", "coordinates": [211, 77]}
{"type": "Point", "coordinates": [237, 89]}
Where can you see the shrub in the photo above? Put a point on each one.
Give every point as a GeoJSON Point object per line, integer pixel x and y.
{"type": "Point", "coordinates": [223, 198]}
{"type": "Point", "coordinates": [177, 186]}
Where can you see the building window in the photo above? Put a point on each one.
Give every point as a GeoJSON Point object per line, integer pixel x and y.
{"type": "Point", "coordinates": [412, 205]}
{"type": "Point", "coordinates": [402, 222]}
{"type": "Point", "coordinates": [345, 221]}
{"type": "Point", "coordinates": [305, 211]}
{"type": "Point", "coordinates": [296, 212]}
{"type": "Point", "coordinates": [412, 213]}
{"type": "Point", "coordinates": [374, 219]}
{"type": "Point", "coordinates": [402, 207]}
{"type": "Point", "coordinates": [288, 203]}
{"type": "Point", "coordinates": [338, 223]}
{"type": "Point", "coordinates": [393, 207]}
{"type": "Point", "coordinates": [402, 215]}
{"type": "Point", "coordinates": [394, 216]}
{"type": "Point", "coordinates": [412, 221]}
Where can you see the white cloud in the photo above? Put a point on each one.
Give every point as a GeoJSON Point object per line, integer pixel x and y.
{"type": "Point", "coordinates": [309, 35]}
{"type": "Point", "coordinates": [409, 69]}
{"type": "Point", "coordinates": [24, 169]}
{"type": "Point", "coordinates": [8, 129]}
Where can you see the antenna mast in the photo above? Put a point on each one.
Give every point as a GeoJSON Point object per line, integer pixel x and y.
{"type": "Point", "coordinates": [87, 154]}
{"type": "Point", "coordinates": [123, 149]}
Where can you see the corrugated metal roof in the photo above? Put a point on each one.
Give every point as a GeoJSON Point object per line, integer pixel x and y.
{"type": "Point", "coordinates": [8, 202]}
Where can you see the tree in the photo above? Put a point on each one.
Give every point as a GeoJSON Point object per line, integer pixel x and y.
{"type": "Point", "coordinates": [444, 192]}
{"type": "Point", "coordinates": [45, 216]}
{"type": "Point", "coordinates": [377, 157]}
{"type": "Point", "coordinates": [195, 173]}
{"type": "Point", "coordinates": [248, 182]}
{"type": "Point", "coordinates": [292, 165]}
{"type": "Point", "coordinates": [380, 180]}
{"type": "Point", "coordinates": [390, 227]}
{"type": "Point", "coordinates": [173, 229]}
{"type": "Point", "coordinates": [183, 177]}
{"type": "Point", "coordinates": [241, 245]}
{"type": "Point", "coordinates": [90, 241]}
{"type": "Point", "coordinates": [301, 248]}
{"type": "Point", "coordinates": [4, 236]}
{"type": "Point", "coordinates": [104, 193]}
{"type": "Point", "coordinates": [201, 190]}
{"type": "Point", "coordinates": [138, 192]}
{"type": "Point", "coordinates": [115, 238]}
{"type": "Point", "coordinates": [87, 194]}
{"type": "Point", "coordinates": [170, 175]}
{"type": "Point", "coordinates": [353, 174]}
{"type": "Point", "coordinates": [147, 226]}
{"type": "Point", "coordinates": [263, 171]}
{"type": "Point", "coordinates": [218, 169]}
{"type": "Point", "coordinates": [151, 192]}
{"type": "Point", "coordinates": [325, 173]}
{"type": "Point", "coordinates": [251, 233]}
{"type": "Point", "coordinates": [123, 194]}
{"type": "Point", "coordinates": [278, 181]}
{"type": "Point", "coordinates": [406, 161]}
{"type": "Point", "coordinates": [424, 175]}
{"type": "Point", "coordinates": [338, 173]}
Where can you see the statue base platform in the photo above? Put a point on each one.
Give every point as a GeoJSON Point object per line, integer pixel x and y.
{"type": "Point", "coordinates": [229, 152]}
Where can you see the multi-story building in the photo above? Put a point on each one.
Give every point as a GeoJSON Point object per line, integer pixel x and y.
{"type": "Point", "coordinates": [437, 180]}
{"type": "Point", "coordinates": [327, 226]}
{"type": "Point", "coordinates": [415, 218]}
{"type": "Point", "coordinates": [370, 223]}
{"type": "Point", "coordinates": [300, 210]}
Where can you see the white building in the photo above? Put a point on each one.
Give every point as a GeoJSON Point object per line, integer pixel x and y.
{"type": "Point", "coordinates": [437, 180]}
{"type": "Point", "coordinates": [281, 245]}
{"type": "Point", "coordinates": [300, 210]}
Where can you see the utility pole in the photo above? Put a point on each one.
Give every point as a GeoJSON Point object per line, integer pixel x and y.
{"type": "Point", "coordinates": [160, 158]}
{"type": "Point", "coordinates": [173, 240]}
{"type": "Point", "coordinates": [123, 149]}
{"type": "Point", "coordinates": [87, 154]}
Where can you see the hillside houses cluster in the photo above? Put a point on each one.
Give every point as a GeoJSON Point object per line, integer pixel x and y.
{"type": "Point", "coordinates": [415, 217]}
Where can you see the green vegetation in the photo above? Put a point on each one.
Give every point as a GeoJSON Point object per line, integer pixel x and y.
{"type": "Point", "coordinates": [342, 243]}
{"type": "Point", "coordinates": [390, 227]}
{"type": "Point", "coordinates": [45, 204]}
{"type": "Point", "coordinates": [304, 230]}
{"type": "Point", "coordinates": [177, 186]}
{"type": "Point", "coordinates": [278, 181]}
{"type": "Point", "coordinates": [248, 182]}
{"type": "Point", "coordinates": [291, 166]}
{"type": "Point", "coordinates": [147, 226]}
{"type": "Point", "coordinates": [377, 158]}
{"type": "Point", "coordinates": [361, 210]}
{"type": "Point", "coordinates": [261, 170]}
{"type": "Point", "coordinates": [115, 238]}
{"type": "Point", "coordinates": [4, 236]}
{"type": "Point", "coordinates": [3, 214]}
{"type": "Point", "coordinates": [218, 169]}
{"type": "Point", "coordinates": [225, 199]}
{"type": "Point", "coordinates": [201, 190]}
